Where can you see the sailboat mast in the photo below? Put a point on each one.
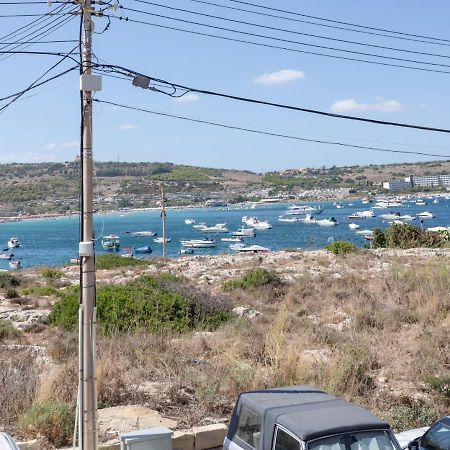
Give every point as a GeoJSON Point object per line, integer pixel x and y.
{"type": "Point", "coordinates": [163, 217]}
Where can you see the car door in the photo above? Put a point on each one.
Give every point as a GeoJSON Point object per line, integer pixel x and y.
{"type": "Point", "coordinates": [436, 438]}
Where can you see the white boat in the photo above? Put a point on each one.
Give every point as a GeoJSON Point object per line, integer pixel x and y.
{"type": "Point", "coordinates": [353, 226]}
{"type": "Point", "coordinates": [231, 239]}
{"type": "Point", "coordinates": [15, 264]}
{"type": "Point", "coordinates": [146, 233]}
{"type": "Point", "coordinates": [256, 223]}
{"type": "Point", "coordinates": [438, 229]}
{"type": "Point", "coordinates": [309, 219]}
{"type": "Point", "coordinates": [236, 247]}
{"type": "Point", "coordinates": [406, 218]}
{"type": "Point", "coordinates": [425, 215]}
{"type": "Point", "coordinates": [339, 205]}
{"type": "Point", "coordinates": [421, 203]}
{"type": "Point", "coordinates": [6, 256]}
{"type": "Point", "coordinates": [296, 210]}
{"type": "Point", "coordinates": [111, 242]}
{"type": "Point", "coordinates": [13, 242]}
{"type": "Point", "coordinates": [127, 252]}
{"type": "Point", "coordinates": [365, 232]}
{"type": "Point", "coordinates": [186, 251]}
{"type": "Point", "coordinates": [287, 219]}
{"type": "Point", "coordinates": [160, 240]}
{"type": "Point", "coordinates": [244, 232]}
{"type": "Point", "coordinates": [254, 249]}
{"type": "Point", "coordinates": [435, 201]}
{"type": "Point", "coordinates": [198, 243]}
{"type": "Point", "coordinates": [362, 214]}
{"type": "Point", "coordinates": [390, 216]}
{"type": "Point", "coordinates": [199, 226]}
{"type": "Point", "coordinates": [189, 221]}
{"type": "Point", "coordinates": [329, 222]}
{"type": "Point", "coordinates": [218, 228]}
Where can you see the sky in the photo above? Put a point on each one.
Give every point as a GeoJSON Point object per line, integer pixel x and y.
{"type": "Point", "coordinates": [44, 125]}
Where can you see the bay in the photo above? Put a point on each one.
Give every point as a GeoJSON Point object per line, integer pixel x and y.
{"type": "Point", "coordinates": [53, 242]}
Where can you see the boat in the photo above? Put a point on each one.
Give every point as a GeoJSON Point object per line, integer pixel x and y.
{"type": "Point", "coordinates": [353, 226]}
{"type": "Point", "coordinates": [390, 216]}
{"type": "Point", "coordinates": [339, 205]}
{"type": "Point", "coordinates": [13, 242]}
{"type": "Point", "coordinates": [365, 232]}
{"type": "Point", "coordinates": [189, 221]}
{"type": "Point", "coordinates": [425, 215]}
{"type": "Point", "coordinates": [6, 256]}
{"type": "Point", "coordinates": [256, 223]}
{"type": "Point", "coordinates": [435, 201]}
{"type": "Point", "coordinates": [127, 252]}
{"type": "Point", "coordinates": [231, 239]}
{"type": "Point", "coordinates": [160, 240]}
{"type": "Point", "coordinates": [111, 242]}
{"type": "Point", "coordinates": [144, 249]}
{"type": "Point", "coordinates": [438, 229]}
{"type": "Point", "coordinates": [362, 214]}
{"type": "Point", "coordinates": [199, 226]}
{"type": "Point", "coordinates": [287, 219]}
{"type": "Point", "coordinates": [217, 228]}
{"type": "Point", "coordinates": [254, 249]}
{"type": "Point", "coordinates": [236, 247]}
{"type": "Point", "coordinates": [421, 202]}
{"type": "Point", "coordinates": [406, 218]}
{"type": "Point", "coordinates": [198, 243]}
{"type": "Point", "coordinates": [186, 251]}
{"type": "Point", "coordinates": [309, 218]}
{"type": "Point", "coordinates": [146, 233]}
{"type": "Point", "coordinates": [329, 222]}
{"type": "Point", "coordinates": [15, 264]}
{"type": "Point", "coordinates": [295, 210]}
{"type": "Point", "coordinates": [244, 232]}
{"type": "Point", "coordinates": [368, 237]}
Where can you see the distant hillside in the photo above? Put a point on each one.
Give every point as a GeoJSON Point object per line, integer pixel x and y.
{"type": "Point", "coordinates": [55, 187]}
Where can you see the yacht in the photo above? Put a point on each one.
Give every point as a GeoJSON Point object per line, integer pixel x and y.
{"type": "Point", "coordinates": [353, 226]}
{"type": "Point", "coordinates": [189, 221]}
{"type": "Point", "coordinates": [218, 228]}
{"type": "Point", "coordinates": [146, 233]}
{"type": "Point", "coordinates": [256, 223]}
{"type": "Point", "coordinates": [198, 243]}
{"type": "Point", "coordinates": [425, 215]}
{"type": "Point", "coordinates": [295, 210]}
{"type": "Point", "coordinates": [13, 242]}
{"type": "Point", "coordinates": [329, 222]}
{"type": "Point", "coordinates": [309, 218]}
{"type": "Point", "coordinates": [231, 239]}
{"type": "Point", "coordinates": [244, 232]}
{"type": "Point", "coordinates": [287, 219]}
{"type": "Point", "coordinates": [390, 216]}
{"type": "Point", "coordinates": [254, 249]}
{"type": "Point", "coordinates": [362, 214]}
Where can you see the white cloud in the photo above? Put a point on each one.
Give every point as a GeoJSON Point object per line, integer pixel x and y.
{"type": "Point", "coordinates": [344, 106]}
{"type": "Point", "coordinates": [27, 157]}
{"type": "Point", "coordinates": [127, 126]}
{"type": "Point", "coordinates": [70, 144]}
{"type": "Point", "coordinates": [61, 145]}
{"type": "Point", "coordinates": [187, 98]}
{"type": "Point", "coordinates": [279, 77]}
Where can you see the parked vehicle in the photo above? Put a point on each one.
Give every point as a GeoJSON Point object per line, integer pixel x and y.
{"type": "Point", "coordinates": [302, 417]}
{"type": "Point", "coordinates": [436, 438]}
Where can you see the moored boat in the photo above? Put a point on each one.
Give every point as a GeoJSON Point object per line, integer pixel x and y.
{"type": "Point", "coordinates": [244, 232]}
{"type": "Point", "coordinates": [15, 264]}
{"type": "Point", "coordinates": [425, 215]}
{"type": "Point", "coordinates": [13, 242]}
{"type": "Point", "coordinates": [145, 233]}
{"type": "Point", "coordinates": [144, 249]}
{"type": "Point", "coordinates": [198, 243]}
{"type": "Point", "coordinates": [329, 222]}
{"type": "Point", "coordinates": [189, 221]}
{"type": "Point", "coordinates": [111, 242]}
{"type": "Point", "coordinates": [160, 240]}
{"type": "Point", "coordinates": [353, 226]}
{"type": "Point", "coordinates": [231, 239]}
{"type": "Point", "coordinates": [217, 228]}
{"type": "Point", "coordinates": [254, 249]}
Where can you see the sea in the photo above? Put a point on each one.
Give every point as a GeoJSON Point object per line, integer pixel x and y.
{"type": "Point", "coordinates": [54, 242]}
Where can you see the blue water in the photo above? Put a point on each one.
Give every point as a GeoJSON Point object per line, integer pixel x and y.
{"type": "Point", "coordinates": [53, 242]}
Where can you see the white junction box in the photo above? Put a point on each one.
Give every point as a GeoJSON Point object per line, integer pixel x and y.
{"type": "Point", "coordinates": [89, 82]}
{"type": "Point", "coordinates": [157, 438]}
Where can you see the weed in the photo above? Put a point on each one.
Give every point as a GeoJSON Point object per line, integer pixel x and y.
{"type": "Point", "coordinates": [340, 247]}
{"type": "Point", "coordinates": [7, 280]}
{"type": "Point", "coordinates": [52, 273]}
{"type": "Point", "coordinates": [111, 261]}
{"type": "Point", "coordinates": [7, 330]}
{"type": "Point", "coordinates": [11, 293]}
{"type": "Point", "coordinates": [253, 279]}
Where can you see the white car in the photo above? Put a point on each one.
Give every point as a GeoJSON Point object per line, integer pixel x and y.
{"type": "Point", "coordinates": [7, 442]}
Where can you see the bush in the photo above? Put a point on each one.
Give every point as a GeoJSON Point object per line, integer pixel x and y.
{"type": "Point", "coordinates": [441, 385]}
{"type": "Point", "coordinates": [149, 303]}
{"type": "Point", "coordinates": [54, 421]}
{"type": "Point", "coordinates": [7, 330]}
{"type": "Point", "coordinates": [11, 293]}
{"type": "Point", "coordinates": [379, 239]}
{"type": "Point", "coordinates": [51, 273]}
{"type": "Point", "coordinates": [111, 261]}
{"type": "Point", "coordinates": [412, 414]}
{"type": "Point", "coordinates": [253, 279]}
{"type": "Point", "coordinates": [7, 280]}
{"type": "Point", "coordinates": [340, 247]}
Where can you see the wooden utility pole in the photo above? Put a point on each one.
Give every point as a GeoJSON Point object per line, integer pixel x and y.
{"type": "Point", "coordinates": [87, 315]}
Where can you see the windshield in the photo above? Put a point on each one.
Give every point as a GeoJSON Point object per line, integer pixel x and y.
{"type": "Point", "coordinates": [364, 440]}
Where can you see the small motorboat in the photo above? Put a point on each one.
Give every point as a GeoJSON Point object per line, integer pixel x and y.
{"type": "Point", "coordinates": [6, 256]}
{"type": "Point", "coordinates": [244, 232]}
{"type": "Point", "coordinates": [145, 249]}
{"type": "Point", "coordinates": [146, 233]}
{"type": "Point", "coordinates": [309, 219]}
{"type": "Point", "coordinates": [425, 215]}
{"type": "Point", "coordinates": [353, 226]}
{"type": "Point", "coordinates": [256, 223]}
{"type": "Point", "coordinates": [329, 222]}
{"type": "Point", "coordinates": [287, 219]}
{"type": "Point", "coordinates": [198, 243]}
{"type": "Point", "coordinates": [390, 216]}
{"type": "Point", "coordinates": [231, 239]}
{"type": "Point", "coordinates": [127, 252]}
{"type": "Point", "coordinates": [160, 240]}
{"type": "Point", "coordinates": [189, 221]}
{"type": "Point", "coordinates": [187, 251]}
{"type": "Point", "coordinates": [13, 242]}
{"type": "Point", "coordinates": [111, 242]}
{"type": "Point", "coordinates": [15, 264]}
{"type": "Point", "coordinates": [365, 232]}
{"type": "Point", "coordinates": [254, 249]}
{"type": "Point", "coordinates": [218, 228]}
{"type": "Point", "coordinates": [236, 247]}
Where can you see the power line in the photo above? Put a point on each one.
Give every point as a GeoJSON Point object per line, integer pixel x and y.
{"type": "Point", "coordinates": [284, 30]}
{"type": "Point", "coordinates": [285, 136]}
{"type": "Point", "coordinates": [7, 16]}
{"type": "Point", "coordinates": [277, 47]}
{"type": "Point", "coordinates": [325, 25]}
{"type": "Point", "coordinates": [40, 42]}
{"type": "Point", "coordinates": [278, 105]}
{"type": "Point", "coordinates": [339, 22]}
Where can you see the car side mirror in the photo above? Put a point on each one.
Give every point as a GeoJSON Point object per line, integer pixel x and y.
{"type": "Point", "coordinates": [413, 445]}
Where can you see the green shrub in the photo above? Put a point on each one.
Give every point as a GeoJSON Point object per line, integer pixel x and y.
{"type": "Point", "coordinates": [379, 239]}
{"type": "Point", "coordinates": [7, 330]}
{"type": "Point", "coordinates": [52, 273]}
{"type": "Point", "coordinates": [340, 247]}
{"type": "Point", "coordinates": [150, 303]}
{"type": "Point", "coordinates": [412, 414]}
{"type": "Point", "coordinates": [111, 261]}
{"type": "Point", "coordinates": [253, 279]}
{"type": "Point", "coordinates": [441, 385]}
{"type": "Point", "coordinates": [54, 421]}
{"type": "Point", "coordinates": [43, 291]}
{"type": "Point", "coordinates": [11, 293]}
{"type": "Point", "coordinates": [7, 280]}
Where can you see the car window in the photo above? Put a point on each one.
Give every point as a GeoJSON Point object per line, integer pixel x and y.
{"type": "Point", "coordinates": [284, 441]}
{"type": "Point", "coordinates": [437, 438]}
{"type": "Point", "coordinates": [249, 426]}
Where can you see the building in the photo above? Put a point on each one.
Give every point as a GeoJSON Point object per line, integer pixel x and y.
{"type": "Point", "coordinates": [430, 180]}
{"type": "Point", "coordinates": [397, 185]}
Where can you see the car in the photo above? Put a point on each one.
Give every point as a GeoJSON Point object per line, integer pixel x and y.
{"type": "Point", "coordinates": [7, 442]}
{"type": "Point", "coordinates": [304, 418]}
{"type": "Point", "coordinates": [436, 438]}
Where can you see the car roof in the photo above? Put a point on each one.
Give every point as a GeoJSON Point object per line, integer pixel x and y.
{"type": "Point", "coordinates": [307, 412]}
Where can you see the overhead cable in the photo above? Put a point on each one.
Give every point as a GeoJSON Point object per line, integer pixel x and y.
{"type": "Point", "coordinates": [266, 133]}
{"type": "Point", "coordinates": [284, 30]}
{"type": "Point", "coordinates": [277, 47]}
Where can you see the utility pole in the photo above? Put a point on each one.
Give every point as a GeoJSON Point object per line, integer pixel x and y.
{"type": "Point", "coordinates": [87, 315]}
{"type": "Point", "coordinates": [163, 217]}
